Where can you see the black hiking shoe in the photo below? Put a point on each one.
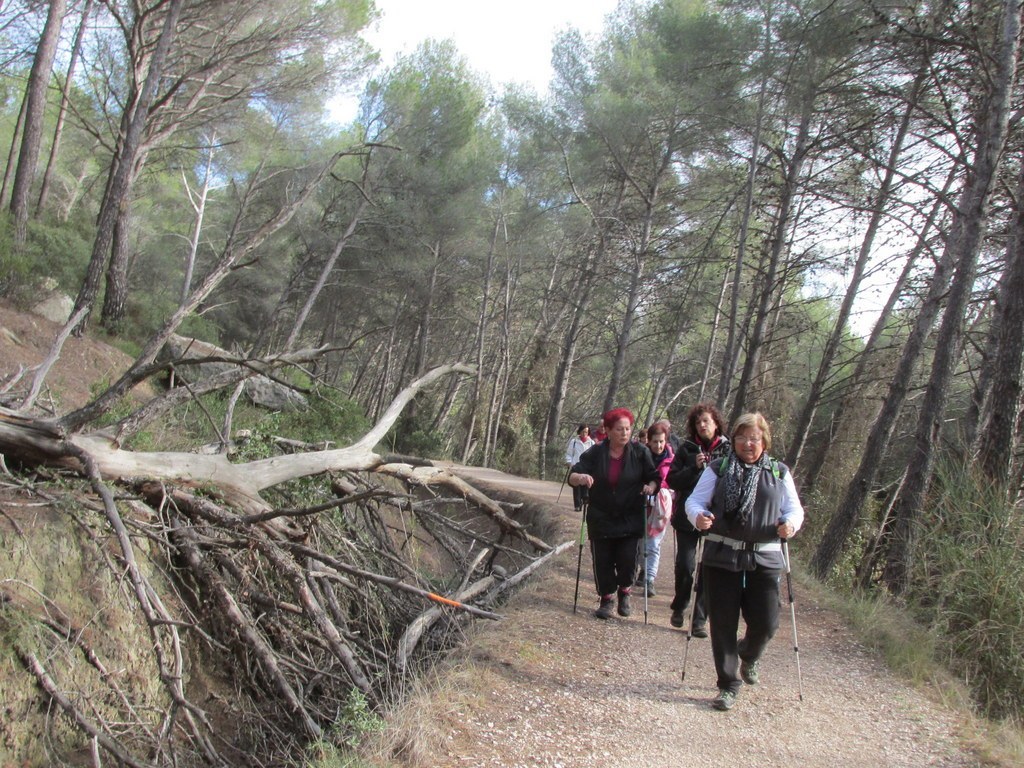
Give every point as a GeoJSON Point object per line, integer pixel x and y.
{"type": "Point", "coordinates": [678, 619]}
{"type": "Point", "coordinates": [624, 609]}
{"type": "Point", "coordinates": [604, 611]}
{"type": "Point", "coordinates": [725, 700]}
{"type": "Point", "coordinates": [699, 629]}
{"type": "Point", "coordinates": [749, 672]}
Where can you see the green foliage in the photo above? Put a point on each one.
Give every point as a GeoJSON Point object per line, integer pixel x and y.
{"type": "Point", "coordinates": [328, 417]}
{"type": "Point", "coordinates": [968, 585]}
{"type": "Point", "coordinates": [14, 267]}
{"type": "Point", "coordinates": [54, 255]}
{"type": "Point", "coordinates": [336, 421]}
{"type": "Point", "coordinates": [121, 408]}
{"type": "Point", "coordinates": [355, 722]}
{"type": "Point", "coordinates": [358, 719]}
{"type": "Point", "coordinates": [412, 436]}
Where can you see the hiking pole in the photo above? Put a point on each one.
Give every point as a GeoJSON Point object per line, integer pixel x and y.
{"type": "Point", "coordinates": [693, 604]}
{"type": "Point", "coordinates": [579, 556]}
{"type": "Point", "coordinates": [643, 566]}
{"type": "Point", "coordinates": [792, 616]}
{"type": "Point", "coordinates": [562, 486]}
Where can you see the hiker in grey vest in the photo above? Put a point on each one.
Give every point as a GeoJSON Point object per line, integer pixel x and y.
{"type": "Point", "coordinates": [747, 503]}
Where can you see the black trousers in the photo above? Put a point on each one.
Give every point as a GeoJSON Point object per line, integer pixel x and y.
{"type": "Point", "coordinates": [686, 562]}
{"type": "Point", "coordinates": [615, 562]}
{"type": "Point", "coordinates": [755, 596]}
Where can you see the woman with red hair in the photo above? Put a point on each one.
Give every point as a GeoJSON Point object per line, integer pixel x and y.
{"type": "Point", "coordinates": [619, 473]}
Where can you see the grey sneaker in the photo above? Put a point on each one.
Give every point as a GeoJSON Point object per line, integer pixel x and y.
{"type": "Point", "coordinates": [699, 629]}
{"type": "Point", "coordinates": [749, 673]}
{"type": "Point", "coordinates": [624, 609]}
{"type": "Point", "coordinates": [725, 700]}
{"type": "Point", "coordinates": [650, 589]}
{"type": "Point", "coordinates": [604, 611]}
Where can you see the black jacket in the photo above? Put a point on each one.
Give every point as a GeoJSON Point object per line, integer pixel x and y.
{"type": "Point", "coordinates": [619, 513]}
{"type": "Point", "coordinates": [684, 474]}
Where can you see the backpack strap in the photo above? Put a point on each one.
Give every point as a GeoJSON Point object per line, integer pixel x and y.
{"type": "Point", "coordinates": [721, 466]}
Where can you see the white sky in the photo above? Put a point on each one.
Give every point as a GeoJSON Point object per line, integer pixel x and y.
{"type": "Point", "coordinates": [506, 42]}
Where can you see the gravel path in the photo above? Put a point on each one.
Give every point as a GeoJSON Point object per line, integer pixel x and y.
{"type": "Point", "coordinates": [554, 688]}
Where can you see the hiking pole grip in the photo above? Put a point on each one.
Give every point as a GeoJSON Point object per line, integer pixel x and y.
{"type": "Point", "coordinates": [792, 616]}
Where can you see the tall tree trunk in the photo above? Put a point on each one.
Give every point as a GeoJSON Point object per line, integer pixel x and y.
{"type": "Point", "coordinates": [12, 152]}
{"type": "Point", "coordinates": [123, 167]}
{"type": "Point", "coordinates": [847, 515]}
{"type": "Point", "coordinates": [712, 338]}
{"type": "Point", "coordinates": [65, 98]}
{"type": "Point", "coordinates": [624, 335]}
{"type": "Point", "coordinates": [481, 336]}
{"type": "Point", "coordinates": [570, 339]}
{"type": "Point", "coordinates": [636, 278]}
{"type": "Point", "coordinates": [685, 321]}
{"type": "Point", "coordinates": [115, 298]}
{"type": "Point", "coordinates": [995, 439]}
{"type": "Point", "coordinates": [777, 246]}
{"type": "Point", "coordinates": [499, 390]}
{"type": "Point", "coordinates": [32, 134]}
{"type": "Point", "coordinates": [325, 273]}
{"type": "Point", "coordinates": [881, 323]}
{"type": "Point", "coordinates": [731, 354]}
{"type": "Point", "coordinates": [426, 318]}
{"type": "Point", "coordinates": [844, 520]}
{"type": "Point", "coordinates": [579, 304]}
{"type": "Point", "coordinates": [969, 227]}
{"type": "Point", "coordinates": [831, 349]}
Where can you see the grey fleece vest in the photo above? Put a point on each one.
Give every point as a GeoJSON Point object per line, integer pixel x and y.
{"type": "Point", "coordinates": [761, 527]}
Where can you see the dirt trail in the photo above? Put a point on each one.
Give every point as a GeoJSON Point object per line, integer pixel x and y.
{"type": "Point", "coordinates": [553, 688]}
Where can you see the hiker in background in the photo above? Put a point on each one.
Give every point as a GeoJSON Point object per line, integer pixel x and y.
{"type": "Point", "coordinates": [640, 437]}
{"type": "Point", "coordinates": [746, 502]}
{"type": "Point", "coordinates": [601, 433]}
{"type": "Point", "coordinates": [577, 445]}
{"type": "Point", "coordinates": [659, 513]}
{"type": "Point", "coordinates": [705, 441]}
{"type": "Point", "coordinates": [618, 473]}
{"type": "Point", "coordinates": [673, 438]}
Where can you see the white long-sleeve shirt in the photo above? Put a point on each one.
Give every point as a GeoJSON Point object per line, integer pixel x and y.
{"type": "Point", "coordinates": [575, 449]}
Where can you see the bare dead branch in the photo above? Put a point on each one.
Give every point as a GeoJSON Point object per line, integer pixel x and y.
{"type": "Point", "coordinates": [438, 476]}
{"type": "Point", "coordinates": [44, 367]}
